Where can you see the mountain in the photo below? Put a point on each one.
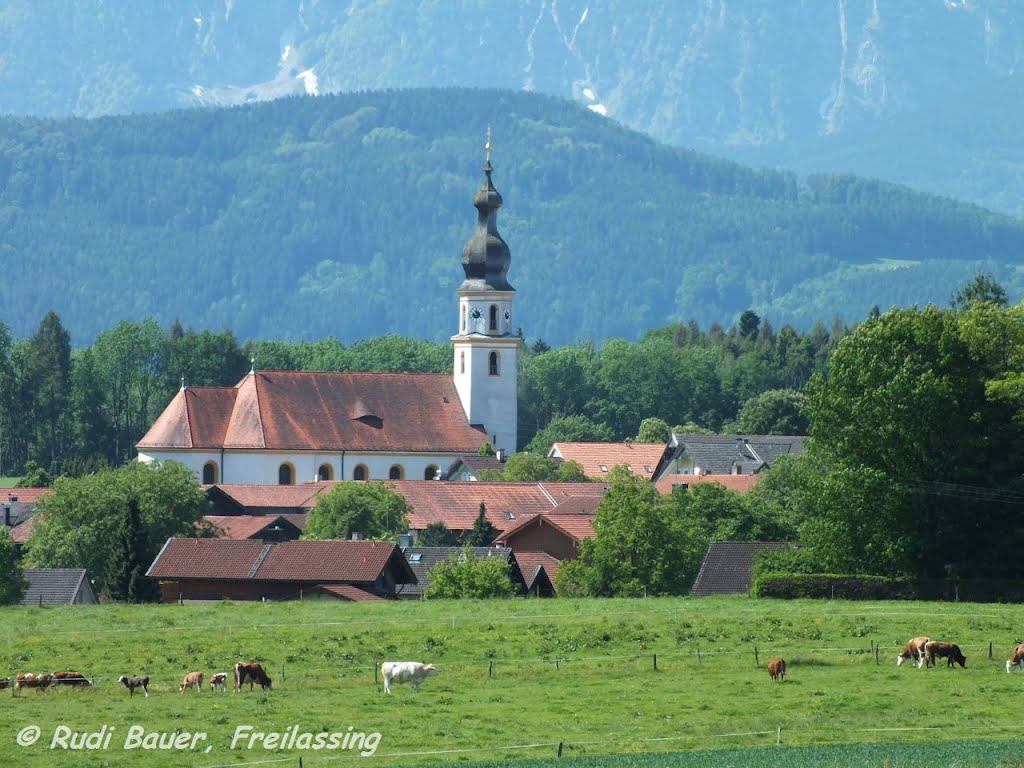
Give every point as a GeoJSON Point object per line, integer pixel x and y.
{"type": "Point", "coordinates": [345, 215]}
{"type": "Point", "coordinates": [927, 93]}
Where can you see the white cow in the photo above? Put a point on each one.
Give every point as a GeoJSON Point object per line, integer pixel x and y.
{"type": "Point", "coordinates": [412, 672]}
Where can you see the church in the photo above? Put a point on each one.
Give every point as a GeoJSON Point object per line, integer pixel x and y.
{"type": "Point", "coordinates": [288, 427]}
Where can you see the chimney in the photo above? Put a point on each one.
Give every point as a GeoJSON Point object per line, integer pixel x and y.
{"type": "Point", "coordinates": [357, 536]}
{"type": "Point", "coordinates": [404, 540]}
{"type": "Point", "coordinates": [500, 454]}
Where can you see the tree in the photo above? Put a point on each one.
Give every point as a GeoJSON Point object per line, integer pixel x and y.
{"type": "Point", "coordinates": [529, 467]}
{"type": "Point", "coordinates": [81, 521]}
{"type": "Point", "coordinates": [981, 289]}
{"type": "Point", "coordinates": [653, 430]}
{"type": "Point", "coordinates": [128, 582]}
{"type": "Point", "coordinates": [467, 576]}
{"type": "Point", "coordinates": [641, 547]}
{"type": "Point", "coordinates": [483, 532]}
{"type": "Point", "coordinates": [48, 377]}
{"type": "Point", "coordinates": [35, 477]}
{"type": "Point", "coordinates": [748, 324]}
{"type": "Point", "coordinates": [372, 509]}
{"type": "Point", "coordinates": [436, 535]}
{"type": "Point", "coordinates": [12, 579]}
{"type": "Point", "coordinates": [775, 412]}
{"type": "Point", "coordinates": [568, 429]}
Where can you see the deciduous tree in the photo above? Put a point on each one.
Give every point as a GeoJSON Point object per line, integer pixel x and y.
{"type": "Point", "coordinates": [372, 509]}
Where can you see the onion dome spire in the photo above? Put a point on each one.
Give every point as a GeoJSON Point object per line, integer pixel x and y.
{"type": "Point", "coordinates": [485, 256]}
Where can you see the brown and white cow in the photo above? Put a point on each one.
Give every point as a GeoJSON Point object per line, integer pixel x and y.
{"type": "Point", "coordinates": [251, 672]}
{"type": "Point", "coordinates": [777, 669]}
{"type": "Point", "coordinates": [131, 683]}
{"type": "Point", "coordinates": [69, 677]}
{"type": "Point", "coordinates": [914, 651]}
{"type": "Point", "coordinates": [192, 680]}
{"type": "Point", "coordinates": [1016, 658]}
{"type": "Point", "coordinates": [32, 680]}
{"type": "Point", "coordinates": [219, 680]}
{"type": "Point", "coordinates": [948, 651]}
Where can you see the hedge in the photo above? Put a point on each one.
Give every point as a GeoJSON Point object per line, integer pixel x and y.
{"type": "Point", "coordinates": [862, 587]}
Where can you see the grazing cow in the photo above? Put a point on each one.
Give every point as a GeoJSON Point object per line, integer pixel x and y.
{"type": "Point", "coordinates": [31, 680]}
{"type": "Point", "coordinates": [192, 680]}
{"type": "Point", "coordinates": [131, 683]}
{"type": "Point", "coordinates": [69, 677]}
{"type": "Point", "coordinates": [1017, 659]}
{"type": "Point", "coordinates": [914, 651]}
{"type": "Point", "coordinates": [412, 672]}
{"type": "Point", "coordinates": [948, 651]}
{"type": "Point", "coordinates": [219, 680]}
{"type": "Point", "coordinates": [251, 672]}
{"type": "Point", "coordinates": [777, 669]}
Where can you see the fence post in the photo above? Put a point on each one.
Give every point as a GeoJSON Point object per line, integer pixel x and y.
{"type": "Point", "coordinates": [655, 662]}
{"type": "Point", "coordinates": [282, 671]}
{"type": "Point", "coordinates": [556, 662]}
{"type": "Point", "coordinates": [490, 668]}
{"type": "Point", "coordinates": [990, 649]}
{"type": "Point", "coordinates": [757, 661]}
{"type": "Point", "coordinates": [559, 749]}
{"type": "Point", "coordinates": [778, 735]}
{"type": "Point", "coordinates": [877, 662]}
{"type": "Point", "coordinates": [698, 655]}
{"type": "Point", "coordinates": [375, 673]}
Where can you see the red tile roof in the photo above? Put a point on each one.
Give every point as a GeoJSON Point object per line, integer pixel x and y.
{"type": "Point", "coordinates": [20, 533]}
{"type": "Point", "coordinates": [332, 560]}
{"type": "Point", "coordinates": [243, 526]}
{"type": "Point", "coordinates": [738, 483]}
{"type": "Point", "coordinates": [457, 504]}
{"type": "Point", "coordinates": [531, 562]}
{"type": "Point", "coordinates": [326, 411]}
{"type": "Point", "coordinates": [253, 496]}
{"type": "Point", "coordinates": [575, 526]}
{"type": "Point", "coordinates": [319, 561]}
{"type": "Point", "coordinates": [25, 495]}
{"type": "Point", "coordinates": [207, 559]}
{"type": "Point", "coordinates": [348, 592]}
{"type": "Point", "coordinates": [598, 459]}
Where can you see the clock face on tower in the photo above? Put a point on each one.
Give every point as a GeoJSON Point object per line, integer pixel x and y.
{"type": "Point", "coordinates": [507, 315]}
{"type": "Point", "coordinates": [474, 313]}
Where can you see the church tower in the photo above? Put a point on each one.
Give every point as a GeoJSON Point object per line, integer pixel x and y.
{"type": "Point", "coordinates": [485, 347]}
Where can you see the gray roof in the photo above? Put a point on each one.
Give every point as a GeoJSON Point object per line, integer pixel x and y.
{"type": "Point", "coordinates": [422, 559]}
{"type": "Point", "coordinates": [730, 454]}
{"type": "Point", "coordinates": [58, 586]}
{"type": "Point", "coordinates": [473, 463]}
{"type": "Point", "coordinates": [727, 567]}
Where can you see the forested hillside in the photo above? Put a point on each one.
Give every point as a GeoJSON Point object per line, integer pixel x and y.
{"type": "Point", "coordinates": [345, 216]}
{"type": "Point", "coordinates": [920, 92]}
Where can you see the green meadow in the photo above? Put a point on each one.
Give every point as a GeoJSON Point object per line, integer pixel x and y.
{"type": "Point", "coordinates": [613, 683]}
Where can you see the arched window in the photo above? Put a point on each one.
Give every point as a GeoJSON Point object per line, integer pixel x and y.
{"type": "Point", "coordinates": [493, 367]}
{"type": "Point", "coordinates": [494, 317]}
{"type": "Point", "coordinates": [462, 362]}
{"type": "Point", "coordinates": [325, 472]}
{"type": "Point", "coordinates": [462, 320]}
{"type": "Point", "coordinates": [210, 473]}
{"type": "Point", "coordinates": [286, 474]}
{"type": "Point", "coordinates": [430, 473]}
{"type": "Point", "coordinates": [396, 472]}
{"type": "Point", "coordinates": [360, 472]}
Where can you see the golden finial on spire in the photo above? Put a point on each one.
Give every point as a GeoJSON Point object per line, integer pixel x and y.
{"type": "Point", "coordinates": [487, 146]}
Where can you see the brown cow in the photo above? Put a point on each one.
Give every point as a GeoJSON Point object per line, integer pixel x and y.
{"type": "Point", "coordinates": [31, 680]}
{"type": "Point", "coordinates": [777, 669]}
{"type": "Point", "coordinates": [251, 672]}
{"type": "Point", "coordinates": [192, 679]}
{"type": "Point", "coordinates": [948, 651]}
{"type": "Point", "coordinates": [69, 677]}
{"type": "Point", "coordinates": [1017, 658]}
{"type": "Point", "coordinates": [914, 651]}
{"type": "Point", "coordinates": [131, 683]}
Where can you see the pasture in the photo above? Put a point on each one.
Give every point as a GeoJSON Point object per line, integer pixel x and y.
{"type": "Point", "coordinates": [614, 682]}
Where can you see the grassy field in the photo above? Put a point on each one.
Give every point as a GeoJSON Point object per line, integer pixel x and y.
{"type": "Point", "coordinates": [615, 683]}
